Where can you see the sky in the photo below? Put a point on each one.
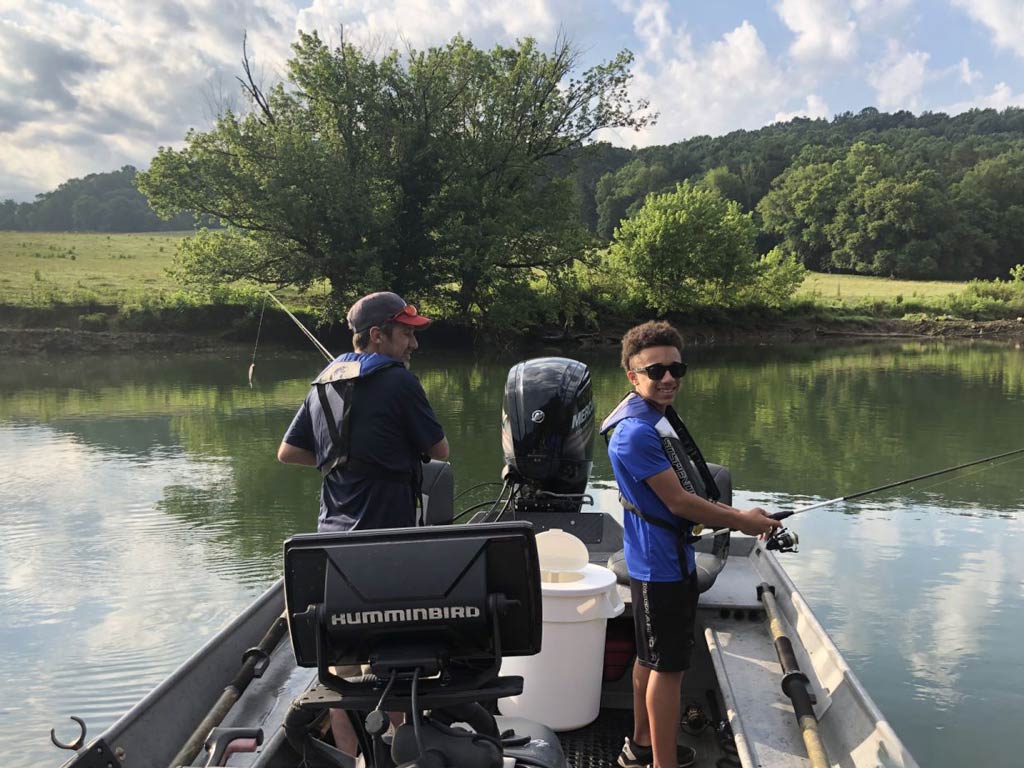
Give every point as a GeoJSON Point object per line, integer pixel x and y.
{"type": "Point", "coordinates": [88, 86]}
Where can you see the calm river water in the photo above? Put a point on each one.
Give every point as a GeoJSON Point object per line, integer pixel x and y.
{"type": "Point", "coordinates": [141, 507]}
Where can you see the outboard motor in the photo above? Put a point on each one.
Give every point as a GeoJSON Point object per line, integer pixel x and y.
{"type": "Point", "coordinates": [547, 433]}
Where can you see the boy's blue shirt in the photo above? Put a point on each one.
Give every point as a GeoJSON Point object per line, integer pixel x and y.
{"type": "Point", "coordinates": [635, 451]}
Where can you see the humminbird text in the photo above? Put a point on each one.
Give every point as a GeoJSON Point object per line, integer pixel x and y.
{"type": "Point", "coordinates": [396, 615]}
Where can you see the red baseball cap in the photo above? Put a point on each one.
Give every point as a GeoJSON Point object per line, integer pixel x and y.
{"type": "Point", "coordinates": [383, 307]}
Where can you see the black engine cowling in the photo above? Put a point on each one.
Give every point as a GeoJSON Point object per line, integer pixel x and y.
{"type": "Point", "coordinates": [547, 431]}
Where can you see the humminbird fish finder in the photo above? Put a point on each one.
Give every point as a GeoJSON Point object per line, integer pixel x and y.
{"type": "Point", "coordinates": [446, 602]}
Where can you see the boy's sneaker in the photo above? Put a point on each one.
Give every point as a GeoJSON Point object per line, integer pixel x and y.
{"type": "Point", "coordinates": [636, 756]}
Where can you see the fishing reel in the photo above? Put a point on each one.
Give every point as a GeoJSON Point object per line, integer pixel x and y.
{"type": "Point", "coordinates": [783, 540]}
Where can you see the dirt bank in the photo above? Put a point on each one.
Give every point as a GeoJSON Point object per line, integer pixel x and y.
{"type": "Point", "coordinates": [62, 341]}
{"type": "Point", "coordinates": [802, 330]}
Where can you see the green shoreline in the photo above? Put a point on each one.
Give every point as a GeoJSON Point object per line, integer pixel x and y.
{"type": "Point", "coordinates": [59, 330]}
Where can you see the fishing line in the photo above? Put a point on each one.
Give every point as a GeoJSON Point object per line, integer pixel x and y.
{"type": "Point", "coordinates": [887, 486]}
{"type": "Point", "coordinates": [304, 329]}
{"type": "Point", "coordinates": [898, 483]}
{"type": "Point", "coordinates": [972, 472]}
{"type": "Point", "coordinates": [252, 365]}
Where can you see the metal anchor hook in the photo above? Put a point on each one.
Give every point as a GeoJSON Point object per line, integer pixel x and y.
{"type": "Point", "coordinates": [74, 745]}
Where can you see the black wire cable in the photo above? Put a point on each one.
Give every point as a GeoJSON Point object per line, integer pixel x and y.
{"type": "Point", "coordinates": [416, 712]}
{"type": "Point", "coordinates": [474, 487]}
{"type": "Point", "coordinates": [513, 494]}
{"type": "Point", "coordinates": [489, 502]}
{"type": "Point", "coordinates": [387, 689]}
{"type": "Point", "coordinates": [493, 503]}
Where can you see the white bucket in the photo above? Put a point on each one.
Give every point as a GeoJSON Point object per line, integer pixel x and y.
{"type": "Point", "coordinates": [562, 684]}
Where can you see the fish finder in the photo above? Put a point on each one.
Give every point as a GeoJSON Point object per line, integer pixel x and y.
{"type": "Point", "coordinates": [448, 601]}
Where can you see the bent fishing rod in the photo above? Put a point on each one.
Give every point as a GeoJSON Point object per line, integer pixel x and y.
{"type": "Point", "coordinates": [309, 334]}
{"type": "Point", "coordinates": [789, 513]}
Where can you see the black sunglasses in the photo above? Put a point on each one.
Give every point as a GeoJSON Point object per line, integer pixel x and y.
{"type": "Point", "coordinates": [656, 371]}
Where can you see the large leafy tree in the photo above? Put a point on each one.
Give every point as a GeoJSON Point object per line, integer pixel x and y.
{"type": "Point", "coordinates": [419, 171]}
{"type": "Point", "coordinates": [621, 194]}
{"type": "Point", "coordinates": [693, 247]}
{"type": "Point", "coordinates": [989, 200]}
{"type": "Point", "coordinates": [865, 212]}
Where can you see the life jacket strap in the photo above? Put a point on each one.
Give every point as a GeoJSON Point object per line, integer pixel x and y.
{"type": "Point", "coordinates": [693, 452]}
{"type": "Point", "coordinates": [338, 457]}
{"type": "Point", "coordinates": [650, 519]}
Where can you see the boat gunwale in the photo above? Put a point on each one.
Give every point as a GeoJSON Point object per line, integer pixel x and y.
{"type": "Point", "coordinates": [794, 605]}
{"type": "Point", "coordinates": [122, 729]}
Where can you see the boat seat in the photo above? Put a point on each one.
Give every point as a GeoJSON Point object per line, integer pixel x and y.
{"type": "Point", "coordinates": [543, 750]}
{"type": "Point", "coordinates": [709, 564]}
{"type": "Point", "coordinates": [708, 568]}
{"type": "Point", "coordinates": [438, 493]}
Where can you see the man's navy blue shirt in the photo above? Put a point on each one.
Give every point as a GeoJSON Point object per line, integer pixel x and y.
{"type": "Point", "coordinates": [392, 426]}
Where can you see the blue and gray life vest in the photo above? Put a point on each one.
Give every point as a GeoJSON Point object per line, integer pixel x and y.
{"type": "Point", "coordinates": [331, 409]}
{"type": "Point", "coordinates": [680, 449]}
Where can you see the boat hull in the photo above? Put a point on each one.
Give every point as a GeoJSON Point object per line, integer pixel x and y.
{"type": "Point", "coordinates": [736, 678]}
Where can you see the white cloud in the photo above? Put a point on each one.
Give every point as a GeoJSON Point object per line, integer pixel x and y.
{"type": "Point", "coordinates": [422, 23]}
{"type": "Point", "coordinates": [880, 7]}
{"type": "Point", "coordinates": [651, 25]}
{"type": "Point", "coordinates": [823, 28]}
{"type": "Point", "coordinates": [1001, 97]}
{"type": "Point", "coordinates": [967, 75]}
{"type": "Point", "coordinates": [92, 85]}
{"type": "Point", "coordinates": [879, 15]}
{"type": "Point", "coordinates": [1004, 19]}
{"type": "Point", "coordinates": [814, 107]}
{"type": "Point", "coordinates": [90, 90]}
{"type": "Point", "coordinates": [899, 78]}
{"type": "Point", "coordinates": [731, 83]}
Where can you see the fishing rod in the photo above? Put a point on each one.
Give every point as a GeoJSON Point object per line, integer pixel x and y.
{"type": "Point", "coordinates": [789, 513]}
{"type": "Point", "coordinates": [309, 334]}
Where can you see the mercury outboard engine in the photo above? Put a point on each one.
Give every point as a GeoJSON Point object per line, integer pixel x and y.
{"type": "Point", "coordinates": [547, 433]}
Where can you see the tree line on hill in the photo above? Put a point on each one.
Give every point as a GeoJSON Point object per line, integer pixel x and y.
{"type": "Point", "coordinates": [100, 202]}
{"type": "Point", "coordinates": [870, 193]}
{"type": "Point", "coordinates": [467, 175]}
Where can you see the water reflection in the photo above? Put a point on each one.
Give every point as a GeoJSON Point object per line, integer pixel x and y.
{"type": "Point", "coordinates": [141, 507]}
{"type": "Point", "coordinates": [924, 601]}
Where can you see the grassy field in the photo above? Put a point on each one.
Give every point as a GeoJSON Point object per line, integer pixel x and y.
{"type": "Point", "coordinates": [43, 268]}
{"type": "Point", "coordinates": [830, 288]}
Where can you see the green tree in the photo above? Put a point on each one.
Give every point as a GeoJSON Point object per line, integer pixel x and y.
{"type": "Point", "coordinates": [890, 225]}
{"type": "Point", "coordinates": [428, 171]}
{"type": "Point", "coordinates": [728, 184]}
{"type": "Point", "coordinates": [693, 247]}
{"type": "Point", "coordinates": [990, 203]}
{"type": "Point", "coordinates": [621, 194]}
{"type": "Point", "coordinates": [863, 213]}
{"type": "Point", "coordinates": [802, 202]}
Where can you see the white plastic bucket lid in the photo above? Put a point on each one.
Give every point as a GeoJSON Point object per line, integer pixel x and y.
{"type": "Point", "coordinates": [562, 556]}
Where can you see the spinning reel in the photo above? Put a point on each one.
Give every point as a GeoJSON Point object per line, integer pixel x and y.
{"type": "Point", "coordinates": [783, 540]}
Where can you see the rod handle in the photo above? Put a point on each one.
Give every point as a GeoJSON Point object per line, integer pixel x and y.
{"type": "Point", "coordinates": [781, 515]}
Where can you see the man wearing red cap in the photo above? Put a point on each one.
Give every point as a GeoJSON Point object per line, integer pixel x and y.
{"type": "Point", "coordinates": [366, 425]}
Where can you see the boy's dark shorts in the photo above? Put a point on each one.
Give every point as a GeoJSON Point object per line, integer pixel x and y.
{"type": "Point", "coordinates": [664, 613]}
